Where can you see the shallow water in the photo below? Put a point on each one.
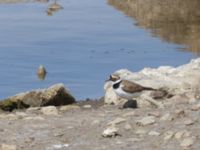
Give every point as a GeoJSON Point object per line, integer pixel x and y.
{"type": "Point", "coordinates": [80, 45]}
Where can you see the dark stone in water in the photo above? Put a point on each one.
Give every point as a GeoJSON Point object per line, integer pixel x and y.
{"type": "Point", "coordinates": [130, 104]}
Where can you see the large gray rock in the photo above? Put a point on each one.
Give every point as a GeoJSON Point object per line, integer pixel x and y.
{"type": "Point", "coordinates": [55, 95]}
{"type": "Point", "coordinates": [184, 79]}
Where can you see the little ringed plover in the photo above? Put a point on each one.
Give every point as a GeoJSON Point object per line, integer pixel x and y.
{"type": "Point", "coordinates": [127, 89]}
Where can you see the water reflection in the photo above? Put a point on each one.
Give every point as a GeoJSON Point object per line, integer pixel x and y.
{"type": "Point", "coordinates": [174, 21]}
{"type": "Point", "coordinates": [22, 1]}
{"type": "Point", "coordinates": [52, 8]}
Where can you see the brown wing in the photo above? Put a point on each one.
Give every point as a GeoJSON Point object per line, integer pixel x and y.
{"type": "Point", "coordinates": [132, 87]}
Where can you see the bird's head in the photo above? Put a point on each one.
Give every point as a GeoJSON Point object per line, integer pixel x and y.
{"type": "Point", "coordinates": [114, 78]}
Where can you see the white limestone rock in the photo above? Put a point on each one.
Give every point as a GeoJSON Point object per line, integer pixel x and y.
{"type": "Point", "coordinates": [49, 110]}
{"type": "Point", "coordinates": [117, 121]}
{"type": "Point", "coordinates": [110, 131]}
{"type": "Point", "coordinates": [187, 142]}
{"type": "Point", "coordinates": [175, 80]}
{"type": "Point", "coordinates": [146, 121]}
{"type": "Point", "coordinates": [8, 147]}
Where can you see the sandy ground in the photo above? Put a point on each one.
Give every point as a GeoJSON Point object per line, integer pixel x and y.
{"type": "Point", "coordinates": [81, 127]}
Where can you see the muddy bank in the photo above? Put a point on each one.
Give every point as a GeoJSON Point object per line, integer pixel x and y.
{"type": "Point", "coordinates": [107, 127]}
{"type": "Point", "coordinates": [93, 125]}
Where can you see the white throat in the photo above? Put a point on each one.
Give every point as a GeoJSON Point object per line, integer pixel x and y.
{"type": "Point", "coordinates": [117, 81]}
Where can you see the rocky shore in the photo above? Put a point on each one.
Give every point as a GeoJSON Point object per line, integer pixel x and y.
{"type": "Point", "coordinates": [97, 125]}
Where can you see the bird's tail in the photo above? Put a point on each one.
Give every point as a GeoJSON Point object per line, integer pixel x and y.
{"type": "Point", "coordinates": [150, 89]}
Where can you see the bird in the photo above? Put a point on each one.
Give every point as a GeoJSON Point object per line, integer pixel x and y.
{"type": "Point", "coordinates": [127, 89]}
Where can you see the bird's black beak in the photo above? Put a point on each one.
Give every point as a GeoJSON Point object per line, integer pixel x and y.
{"type": "Point", "coordinates": [109, 79]}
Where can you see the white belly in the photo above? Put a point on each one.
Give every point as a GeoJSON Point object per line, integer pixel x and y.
{"type": "Point", "coordinates": [126, 95]}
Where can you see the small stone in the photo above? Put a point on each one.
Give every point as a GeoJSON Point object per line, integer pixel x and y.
{"type": "Point", "coordinates": [33, 109]}
{"type": "Point", "coordinates": [11, 116]}
{"type": "Point", "coordinates": [179, 135]}
{"type": "Point", "coordinates": [192, 100]}
{"type": "Point", "coordinates": [59, 146]}
{"type": "Point", "coordinates": [94, 122]}
{"type": "Point", "coordinates": [58, 134]}
{"type": "Point", "coordinates": [49, 110]}
{"type": "Point", "coordinates": [167, 117]}
{"type": "Point", "coordinates": [68, 107]}
{"type": "Point", "coordinates": [117, 121]}
{"type": "Point", "coordinates": [146, 121]}
{"type": "Point", "coordinates": [140, 132]}
{"type": "Point", "coordinates": [127, 126]}
{"type": "Point", "coordinates": [168, 135]}
{"type": "Point", "coordinates": [8, 147]}
{"type": "Point", "coordinates": [179, 113]}
{"type": "Point", "coordinates": [132, 113]}
{"type": "Point", "coordinates": [29, 140]}
{"type": "Point", "coordinates": [154, 113]}
{"type": "Point", "coordinates": [182, 134]}
{"type": "Point", "coordinates": [111, 131]}
{"type": "Point", "coordinates": [134, 139]}
{"type": "Point", "coordinates": [154, 133]}
{"type": "Point", "coordinates": [21, 114]}
{"type": "Point", "coordinates": [195, 107]}
{"type": "Point", "coordinates": [187, 142]}
{"type": "Point", "coordinates": [87, 106]}
{"type": "Point", "coordinates": [70, 127]}
{"type": "Point", "coordinates": [2, 130]}
{"type": "Point", "coordinates": [188, 122]}
{"type": "Point", "coordinates": [34, 118]}
{"type": "Point", "coordinates": [119, 142]}
{"type": "Point", "coordinates": [130, 104]}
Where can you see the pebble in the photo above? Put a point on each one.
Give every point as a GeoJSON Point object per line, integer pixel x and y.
{"type": "Point", "coordinates": [180, 113]}
{"type": "Point", "coordinates": [8, 147]}
{"type": "Point", "coordinates": [130, 104]}
{"type": "Point", "coordinates": [192, 100]}
{"type": "Point", "coordinates": [195, 107]}
{"type": "Point", "coordinates": [140, 132]}
{"type": "Point", "coordinates": [33, 109]}
{"type": "Point", "coordinates": [111, 131]}
{"type": "Point", "coordinates": [154, 113]}
{"type": "Point", "coordinates": [166, 117]}
{"type": "Point", "coordinates": [187, 142]}
{"type": "Point", "coordinates": [34, 118]}
{"type": "Point", "coordinates": [49, 110]}
{"type": "Point", "coordinates": [168, 135]}
{"type": "Point", "coordinates": [29, 140]}
{"type": "Point", "coordinates": [87, 106]}
{"type": "Point", "coordinates": [11, 116]}
{"type": "Point", "coordinates": [182, 134]}
{"type": "Point", "coordinates": [95, 122]}
{"type": "Point", "coordinates": [134, 139]}
{"type": "Point", "coordinates": [127, 126]}
{"type": "Point", "coordinates": [68, 107]}
{"type": "Point", "coordinates": [154, 133]}
{"type": "Point", "coordinates": [146, 121]}
{"type": "Point", "coordinates": [58, 146]}
{"type": "Point", "coordinates": [188, 122]}
{"type": "Point", "coordinates": [21, 114]}
{"type": "Point", "coordinates": [128, 114]}
{"type": "Point", "coordinates": [117, 121]}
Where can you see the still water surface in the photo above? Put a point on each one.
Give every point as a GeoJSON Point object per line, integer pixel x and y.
{"type": "Point", "coordinates": [80, 45]}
